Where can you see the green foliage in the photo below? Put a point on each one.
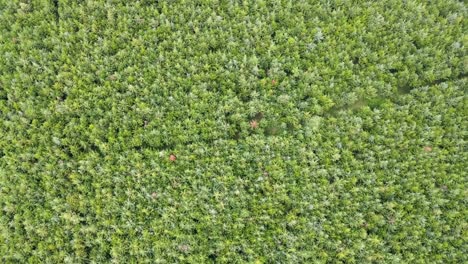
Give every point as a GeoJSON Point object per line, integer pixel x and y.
{"type": "Point", "coordinates": [302, 131]}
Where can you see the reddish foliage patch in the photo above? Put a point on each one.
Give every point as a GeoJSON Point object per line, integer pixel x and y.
{"type": "Point", "coordinates": [254, 124]}
{"type": "Point", "coordinates": [427, 149]}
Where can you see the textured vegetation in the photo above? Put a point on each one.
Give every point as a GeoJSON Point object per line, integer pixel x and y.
{"type": "Point", "coordinates": [222, 131]}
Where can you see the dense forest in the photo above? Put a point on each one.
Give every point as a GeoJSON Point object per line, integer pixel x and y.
{"type": "Point", "coordinates": [230, 131]}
